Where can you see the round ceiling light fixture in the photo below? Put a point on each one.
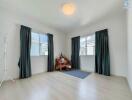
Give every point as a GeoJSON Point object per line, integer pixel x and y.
{"type": "Point", "coordinates": [68, 9]}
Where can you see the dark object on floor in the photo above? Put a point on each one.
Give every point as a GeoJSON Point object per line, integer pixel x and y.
{"type": "Point", "coordinates": [77, 73]}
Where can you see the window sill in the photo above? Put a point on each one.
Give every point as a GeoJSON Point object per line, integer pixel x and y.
{"type": "Point", "coordinates": [87, 55]}
{"type": "Point", "coordinates": [40, 56]}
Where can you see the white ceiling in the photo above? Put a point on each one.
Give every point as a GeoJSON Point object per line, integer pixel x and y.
{"type": "Point", "coordinates": [49, 11]}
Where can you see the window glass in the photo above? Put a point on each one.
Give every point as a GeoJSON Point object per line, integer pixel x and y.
{"type": "Point", "coordinates": [43, 44]}
{"type": "Point", "coordinates": [90, 45]}
{"type": "Point", "coordinates": [43, 49]}
{"type": "Point", "coordinates": [35, 49]}
{"type": "Point", "coordinates": [35, 37]}
{"type": "Point", "coordinates": [39, 45]}
{"type": "Point", "coordinates": [43, 38]}
{"type": "Point", "coordinates": [83, 42]}
{"type": "Point", "coordinates": [83, 46]}
{"type": "Point", "coordinates": [87, 45]}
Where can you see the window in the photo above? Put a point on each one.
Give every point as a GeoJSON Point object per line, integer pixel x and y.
{"type": "Point", "coordinates": [39, 44]}
{"type": "Point", "coordinates": [83, 46]}
{"type": "Point", "coordinates": [87, 45]}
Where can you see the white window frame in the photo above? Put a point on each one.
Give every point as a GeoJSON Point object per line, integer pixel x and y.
{"type": "Point", "coordinates": [39, 44]}
{"type": "Point", "coordinates": [86, 54]}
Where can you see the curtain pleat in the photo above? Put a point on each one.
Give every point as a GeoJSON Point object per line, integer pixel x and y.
{"type": "Point", "coordinates": [25, 46]}
{"type": "Point", "coordinates": [75, 58]}
{"type": "Point", "coordinates": [50, 53]}
{"type": "Point", "coordinates": [102, 57]}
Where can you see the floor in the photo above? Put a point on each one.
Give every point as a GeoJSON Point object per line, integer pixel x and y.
{"type": "Point", "coordinates": [60, 86]}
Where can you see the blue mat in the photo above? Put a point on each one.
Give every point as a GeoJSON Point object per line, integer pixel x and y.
{"type": "Point", "coordinates": [77, 73]}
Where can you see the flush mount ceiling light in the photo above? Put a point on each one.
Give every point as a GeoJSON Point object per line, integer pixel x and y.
{"type": "Point", "coordinates": [68, 9]}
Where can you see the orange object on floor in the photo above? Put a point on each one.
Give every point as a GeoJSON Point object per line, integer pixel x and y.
{"type": "Point", "coordinates": [62, 62]}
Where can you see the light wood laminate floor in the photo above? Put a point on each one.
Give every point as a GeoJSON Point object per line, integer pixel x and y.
{"type": "Point", "coordinates": [59, 86]}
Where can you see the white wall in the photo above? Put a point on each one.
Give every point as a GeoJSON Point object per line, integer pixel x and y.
{"type": "Point", "coordinates": [39, 64]}
{"type": "Point", "coordinates": [10, 24]}
{"type": "Point", "coordinates": [116, 24]}
{"type": "Point", "coordinates": [130, 44]}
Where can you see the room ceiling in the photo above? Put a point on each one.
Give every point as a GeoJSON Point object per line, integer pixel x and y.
{"type": "Point", "coordinates": [49, 12]}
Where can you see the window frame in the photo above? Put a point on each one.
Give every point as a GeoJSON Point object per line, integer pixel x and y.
{"type": "Point", "coordinates": [39, 33]}
{"type": "Point", "coordinates": [86, 45]}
